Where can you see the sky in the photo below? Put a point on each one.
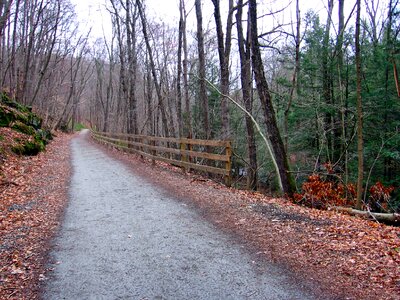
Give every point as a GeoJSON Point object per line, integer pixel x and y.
{"type": "Point", "coordinates": [92, 13]}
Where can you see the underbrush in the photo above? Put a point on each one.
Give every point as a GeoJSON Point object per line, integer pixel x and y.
{"type": "Point", "coordinates": [328, 190]}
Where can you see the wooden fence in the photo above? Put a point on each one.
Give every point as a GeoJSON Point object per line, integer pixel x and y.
{"type": "Point", "coordinates": [186, 153]}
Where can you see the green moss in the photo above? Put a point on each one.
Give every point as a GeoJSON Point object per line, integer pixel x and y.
{"type": "Point", "coordinates": [6, 117]}
{"type": "Point", "coordinates": [22, 119]}
{"type": "Point", "coordinates": [28, 148]}
{"type": "Point", "coordinates": [23, 128]}
{"type": "Point", "coordinates": [34, 120]}
{"type": "Point", "coordinates": [43, 135]}
{"type": "Point", "coordinates": [12, 103]}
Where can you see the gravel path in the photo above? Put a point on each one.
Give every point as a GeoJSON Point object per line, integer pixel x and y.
{"type": "Point", "coordinates": [123, 238]}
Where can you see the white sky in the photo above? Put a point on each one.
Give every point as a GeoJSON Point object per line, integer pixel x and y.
{"type": "Point", "coordinates": [92, 13]}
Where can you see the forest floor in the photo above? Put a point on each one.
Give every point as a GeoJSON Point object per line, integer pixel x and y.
{"type": "Point", "coordinates": [340, 255]}
{"type": "Point", "coordinates": [33, 194]}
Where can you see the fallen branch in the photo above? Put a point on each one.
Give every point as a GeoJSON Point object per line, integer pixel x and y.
{"type": "Point", "coordinates": [381, 217]}
{"type": "Point", "coordinates": [6, 182]}
{"type": "Point", "coordinates": [257, 126]}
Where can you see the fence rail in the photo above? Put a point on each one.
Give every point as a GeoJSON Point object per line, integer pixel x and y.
{"type": "Point", "coordinates": [186, 153]}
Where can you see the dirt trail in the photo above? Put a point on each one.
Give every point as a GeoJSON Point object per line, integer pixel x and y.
{"type": "Point", "coordinates": [123, 238]}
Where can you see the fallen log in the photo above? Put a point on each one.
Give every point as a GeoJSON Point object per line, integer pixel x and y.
{"type": "Point", "coordinates": [380, 217]}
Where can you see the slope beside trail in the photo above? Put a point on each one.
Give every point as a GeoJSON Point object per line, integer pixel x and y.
{"type": "Point", "coordinates": [124, 238]}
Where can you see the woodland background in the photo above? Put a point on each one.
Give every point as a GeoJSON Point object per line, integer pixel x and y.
{"type": "Point", "coordinates": [325, 93]}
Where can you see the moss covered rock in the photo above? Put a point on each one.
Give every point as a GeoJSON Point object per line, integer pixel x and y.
{"type": "Point", "coordinates": [28, 148]}
{"type": "Point", "coordinates": [23, 128]}
{"type": "Point", "coordinates": [21, 118]}
{"type": "Point", "coordinates": [34, 120]}
{"type": "Point", "coordinates": [43, 135]}
{"type": "Point", "coordinates": [14, 104]}
{"type": "Point", "coordinates": [6, 117]}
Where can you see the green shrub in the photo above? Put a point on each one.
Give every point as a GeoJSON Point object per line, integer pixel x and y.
{"type": "Point", "coordinates": [34, 121]}
{"type": "Point", "coordinates": [43, 135]}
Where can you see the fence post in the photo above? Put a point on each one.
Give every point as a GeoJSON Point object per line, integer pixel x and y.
{"type": "Point", "coordinates": [228, 164]}
{"type": "Point", "coordinates": [140, 148]}
{"type": "Point", "coordinates": [184, 157]}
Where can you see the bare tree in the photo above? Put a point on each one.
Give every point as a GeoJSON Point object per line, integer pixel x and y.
{"type": "Point", "coordinates": [188, 123]}
{"type": "Point", "coordinates": [224, 49]}
{"type": "Point", "coordinates": [131, 16]}
{"type": "Point", "coordinates": [294, 76]}
{"type": "Point", "coordinates": [179, 71]}
{"type": "Point", "coordinates": [246, 81]}
{"type": "Point", "coordinates": [153, 68]}
{"type": "Point", "coordinates": [202, 70]}
{"type": "Point", "coordinates": [5, 8]}
{"type": "Point", "coordinates": [285, 178]}
{"type": "Point", "coordinates": [360, 141]}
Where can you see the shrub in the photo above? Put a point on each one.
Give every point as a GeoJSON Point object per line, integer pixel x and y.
{"type": "Point", "coordinates": [34, 121]}
{"type": "Point", "coordinates": [379, 196]}
{"type": "Point", "coordinates": [322, 193]}
{"type": "Point", "coordinates": [43, 135]}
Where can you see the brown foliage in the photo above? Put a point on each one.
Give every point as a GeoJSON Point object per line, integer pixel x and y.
{"type": "Point", "coordinates": [32, 197]}
{"type": "Point", "coordinates": [318, 192]}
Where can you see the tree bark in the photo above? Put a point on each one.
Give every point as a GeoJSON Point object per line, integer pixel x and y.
{"type": "Point", "coordinates": [380, 217]}
{"type": "Point", "coordinates": [123, 82]}
{"type": "Point", "coordinates": [188, 123]}
{"type": "Point", "coordinates": [285, 178]}
{"type": "Point", "coordinates": [360, 142]}
{"type": "Point", "coordinates": [153, 69]}
{"type": "Point", "coordinates": [179, 71]}
{"type": "Point", "coordinates": [202, 70]}
{"type": "Point", "coordinates": [327, 89]}
{"type": "Point", "coordinates": [294, 76]}
{"type": "Point", "coordinates": [131, 49]}
{"type": "Point", "coordinates": [246, 82]}
{"type": "Point", "coordinates": [224, 49]}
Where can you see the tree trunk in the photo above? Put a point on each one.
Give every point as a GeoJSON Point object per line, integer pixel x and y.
{"type": "Point", "coordinates": [179, 72]}
{"type": "Point", "coordinates": [245, 77]}
{"type": "Point", "coordinates": [153, 69]}
{"type": "Point", "coordinates": [294, 76]}
{"type": "Point", "coordinates": [327, 88]}
{"type": "Point", "coordinates": [202, 70]}
{"type": "Point", "coordinates": [131, 49]}
{"type": "Point", "coordinates": [285, 178]}
{"type": "Point", "coordinates": [224, 54]}
{"type": "Point", "coordinates": [188, 123]}
{"type": "Point", "coordinates": [342, 96]}
{"type": "Point", "coordinates": [380, 217]}
{"type": "Point", "coordinates": [360, 147]}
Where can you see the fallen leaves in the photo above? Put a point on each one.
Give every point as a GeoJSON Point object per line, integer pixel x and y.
{"type": "Point", "coordinates": [32, 198]}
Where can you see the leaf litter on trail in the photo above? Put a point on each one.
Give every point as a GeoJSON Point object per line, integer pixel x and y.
{"type": "Point", "coordinates": [32, 198]}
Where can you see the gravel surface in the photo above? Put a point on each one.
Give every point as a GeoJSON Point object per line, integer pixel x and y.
{"type": "Point", "coordinates": [124, 238]}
